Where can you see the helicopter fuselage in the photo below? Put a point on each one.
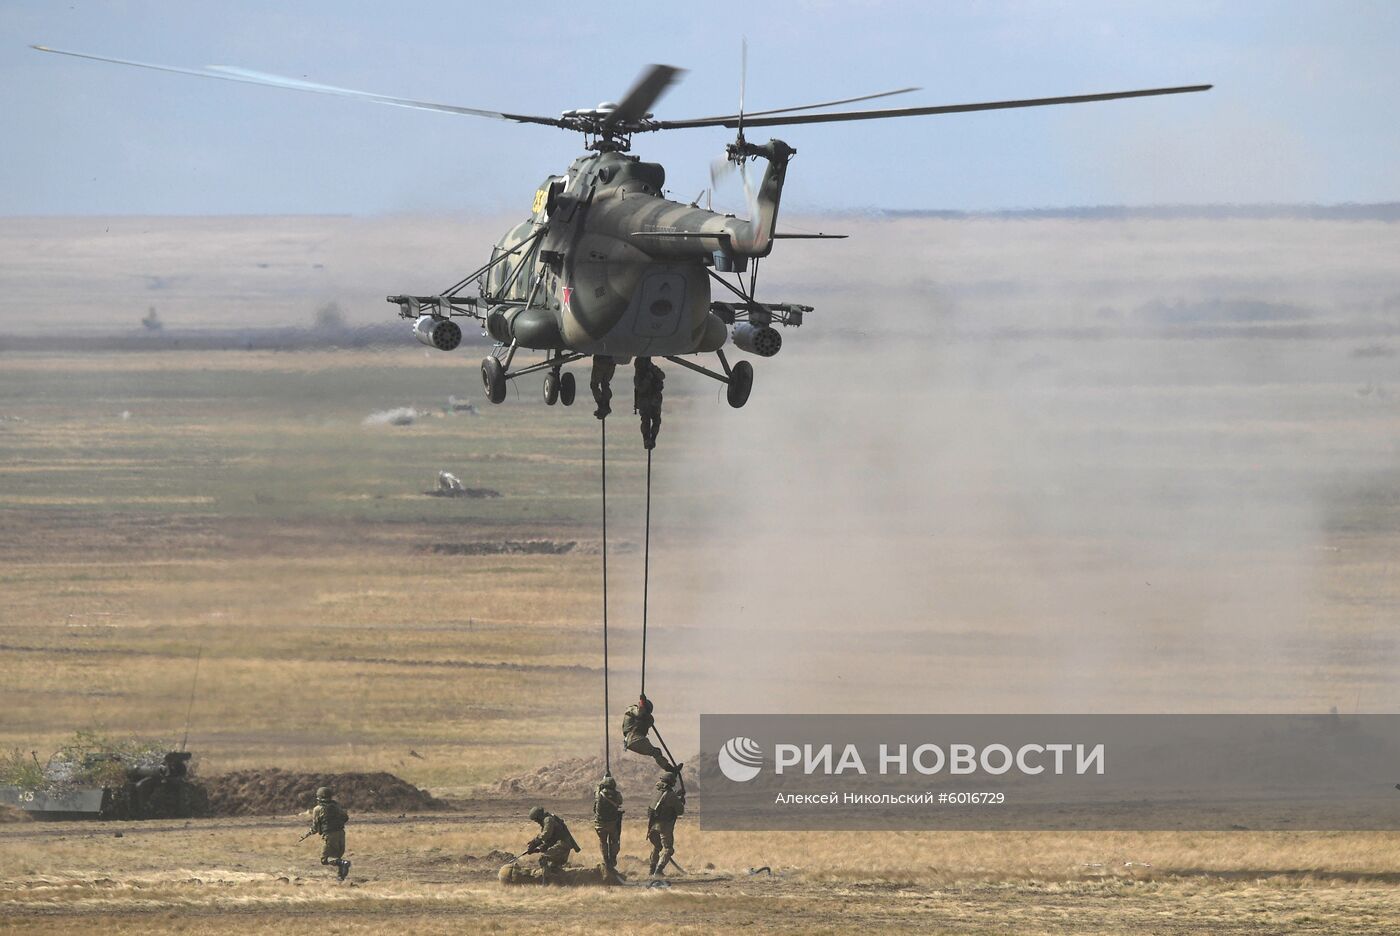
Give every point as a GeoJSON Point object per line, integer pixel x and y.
{"type": "Point", "coordinates": [615, 268]}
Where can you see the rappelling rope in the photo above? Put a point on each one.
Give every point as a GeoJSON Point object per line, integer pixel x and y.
{"type": "Point", "coordinates": [607, 747]}
{"type": "Point", "coordinates": [646, 574]}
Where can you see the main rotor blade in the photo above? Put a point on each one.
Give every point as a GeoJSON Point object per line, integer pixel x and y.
{"type": "Point", "coordinates": [748, 115]}
{"type": "Point", "coordinates": [743, 80]}
{"type": "Point", "coordinates": [645, 92]}
{"type": "Point", "coordinates": [750, 120]}
{"type": "Point", "coordinates": [233, 73]}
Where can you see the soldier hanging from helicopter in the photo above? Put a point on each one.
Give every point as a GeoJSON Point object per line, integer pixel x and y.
{"type": "Point", "coordinates": [600, 383]}
{"type": "Point", "coordinates": [647, 384]}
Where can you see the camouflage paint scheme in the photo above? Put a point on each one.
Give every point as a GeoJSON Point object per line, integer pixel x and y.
{"type": "Point", "coordinates": [609, 275]}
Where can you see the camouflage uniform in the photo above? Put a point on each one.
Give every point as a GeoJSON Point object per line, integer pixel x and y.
{"type": "Point", "coordinates": [647, 384]}
{"type": "Point", "coordinates": [328, 820]}
{"type": "Point", "coordinates": [661, 822]}
{"type": "Point", "coordinates": [554, 843]}
{"type": "Point", "coordinates": [601, 383]}
{"type": "Point", "coordinates": [607, 821]}
{"type": "Point", "coordinates": [637, 723]}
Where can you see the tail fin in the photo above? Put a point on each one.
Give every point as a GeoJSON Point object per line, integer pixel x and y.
{"type": "Point", "coordinates": [754, 238]}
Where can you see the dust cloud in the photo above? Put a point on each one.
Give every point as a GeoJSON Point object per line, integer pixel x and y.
{"type": "Point", "coordinates": [1050, 466]}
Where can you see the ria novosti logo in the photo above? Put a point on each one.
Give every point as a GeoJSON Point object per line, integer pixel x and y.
{"type": "Point", "coordinates": [740, 759]}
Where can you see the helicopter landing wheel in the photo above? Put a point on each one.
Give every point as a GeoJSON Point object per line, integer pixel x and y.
{"type": "Point", "coordinates": [493, 379]}
{"type": "Point", "coordinates": [551, 388]}
{"type": "Point", "coordinates": [566, 389]}
{"type": "Point", "coordinates": [740, 383]}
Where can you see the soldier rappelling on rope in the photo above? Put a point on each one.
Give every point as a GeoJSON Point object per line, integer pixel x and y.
{"type": "Point", "coordinates": [637, 723]}
{"type": "Point", "coordinates": [601, 384]}
{"type": "Point", "coordinates": [647, 383]}
{"type": "Point", "coordinates": [607, 821]}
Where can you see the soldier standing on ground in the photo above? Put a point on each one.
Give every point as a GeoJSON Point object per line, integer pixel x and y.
{"type": "Point", "coordinates": [661, 821]}
{"type": "Point", "coordinates": [607, 820]}
{"type": "Point", "coordinates": [553, 844]}
{"type": "Point", "coordinates": [328, 820]}
{"type": "Point", "coordinates": [647, 384]}
{"type": "Point", "coordinates": [637, 723]}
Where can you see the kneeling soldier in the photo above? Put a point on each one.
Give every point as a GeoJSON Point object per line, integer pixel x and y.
{"type": "Point", "coordinates": [661, 821]}
{"type": "Point", "coordinates": [328, 820]}
{"type": "Point", "coordinates": [553, 844]}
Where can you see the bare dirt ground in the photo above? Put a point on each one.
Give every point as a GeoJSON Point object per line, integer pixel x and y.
{"type": "Point", "coordinates": [437, 873]}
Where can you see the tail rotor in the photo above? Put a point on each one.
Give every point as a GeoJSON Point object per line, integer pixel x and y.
{"type": "Point", "coordinates": [736, 155]}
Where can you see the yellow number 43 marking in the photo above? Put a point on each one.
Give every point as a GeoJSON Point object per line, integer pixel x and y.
{"type": "Point", "coordinates": [541, 197]}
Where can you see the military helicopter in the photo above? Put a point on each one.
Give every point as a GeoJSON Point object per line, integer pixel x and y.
{"type": "Point", "coordinates": [606, 266]}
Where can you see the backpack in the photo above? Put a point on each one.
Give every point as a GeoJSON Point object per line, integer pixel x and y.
{"type": "Point", "coordinates": [335, 816]}
{"type": "Point", "coordinates": [566, 835]}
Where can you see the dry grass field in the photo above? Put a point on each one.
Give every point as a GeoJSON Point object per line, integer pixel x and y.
{"type": "Point", "coordinates": [432, 876]}
{"type": "Point", "coordinates": [1200, 515]}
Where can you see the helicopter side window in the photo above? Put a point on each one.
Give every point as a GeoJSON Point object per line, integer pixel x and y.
{"type": "Point", "coordinates": [497, 278]}
{"type": "Point", "coordinates": [526, 284]}
{"type": "Point", "coordinates": [556, 188]}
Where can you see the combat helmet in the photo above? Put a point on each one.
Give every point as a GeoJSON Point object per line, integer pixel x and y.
{"type": "Point", "coordinates": [608, 783]}
{"type": "Point", "coordinates": [324, 793]}
{"type": "Point", "coordinates": [537, 814]}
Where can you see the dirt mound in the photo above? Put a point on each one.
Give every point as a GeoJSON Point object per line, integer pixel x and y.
{"type": "Point", "coordinates": [10, 814]}
{"type": "Point", "coordinates": [275, 792]}
{"type": "Point", "coordinates": [578, 776]}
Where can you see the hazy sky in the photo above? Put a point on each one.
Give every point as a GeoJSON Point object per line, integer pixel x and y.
{"type": "Point", "coordinates": [1305, 108]}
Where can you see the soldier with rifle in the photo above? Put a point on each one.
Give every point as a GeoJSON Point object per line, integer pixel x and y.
{"type": "Point", "coordinates": [328, 819]}
{"type": "Point", "coordinates": [553, 844]}
{"type": "Point", "coordinates": [668, 806]}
